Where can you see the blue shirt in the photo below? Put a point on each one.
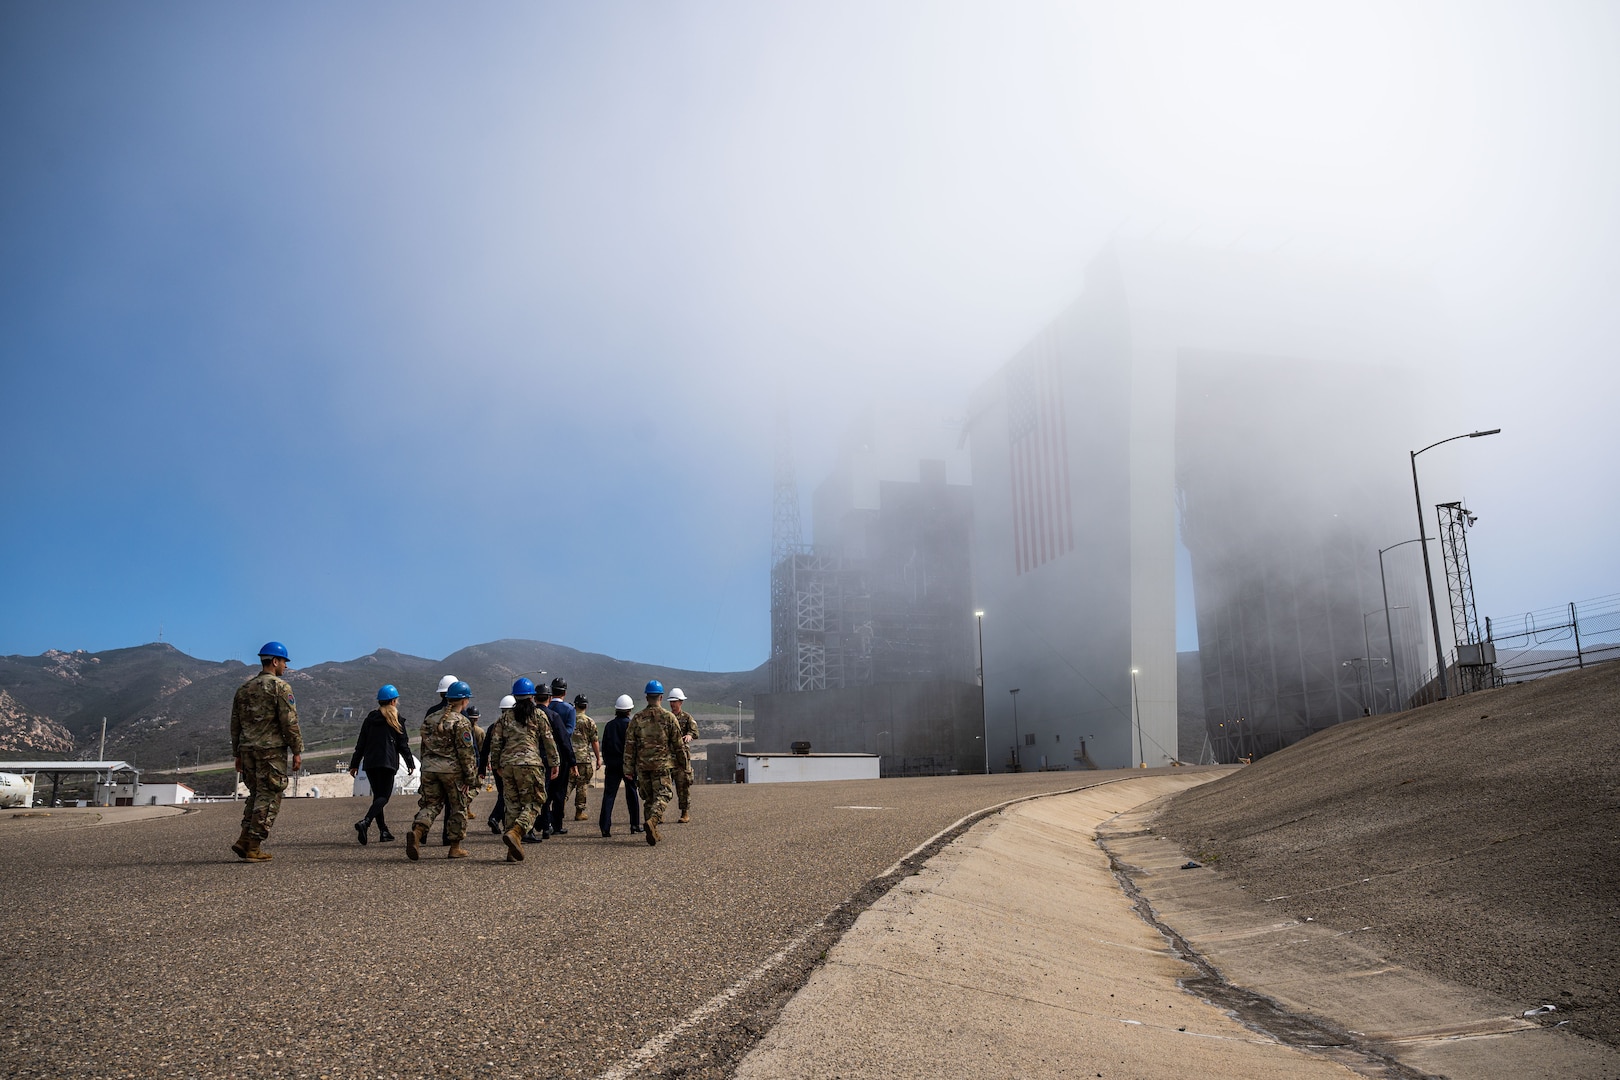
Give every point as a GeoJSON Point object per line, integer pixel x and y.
{"type": "Point", "coordinates": [565, 712]}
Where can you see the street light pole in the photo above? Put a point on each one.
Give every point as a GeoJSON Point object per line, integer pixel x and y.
{"type": "Point", "coordinates": [984, 716]}
{"type": "Point", "coordinates": [1136, 710]}
{"type": "Point", "coordinates": [1017, 764]}
{"type": "Point", "coordinates": [1389, 632]}
{"type": "Point", "coordinates": [1428, 575]}
{"type": "Point", "coordinates": [739, 728]}
{"type": "Point", "coordinates": [1366, 651]}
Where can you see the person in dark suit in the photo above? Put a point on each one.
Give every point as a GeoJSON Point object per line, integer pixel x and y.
{"type": "Point", "coordinates": [613, 733]}
{"type": "Point", "coordinates": [557, 788]}
{"type": "Point", "coordinates": [381, 745]}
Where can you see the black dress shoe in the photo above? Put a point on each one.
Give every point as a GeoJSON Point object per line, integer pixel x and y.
{"type": "Point", "coordinates": [559, 831]}
{"type": "Point", "coordinates": [495, 827]}
{"type": "Point", "coordinates": [635, 828]}
{"type": "Point", "coordinates": [607, 832]}
{"type": "Point", "coordinates": [360, 829]}
{"type": "Point", "coordinates": [532, 837]}
{"type": "Point", "coordinates": [384, 835]}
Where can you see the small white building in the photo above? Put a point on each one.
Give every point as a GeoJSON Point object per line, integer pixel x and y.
{"type": "Point", "coordinates": [163, 795]}
{"type": "Point", "coordinates": [789, 768]}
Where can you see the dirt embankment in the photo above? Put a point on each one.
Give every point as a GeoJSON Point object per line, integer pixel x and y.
{"type": "Point", "coordinates": [1479, 838]}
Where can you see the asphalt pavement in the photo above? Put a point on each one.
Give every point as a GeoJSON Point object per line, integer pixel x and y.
{"type": "Point", "coordinates": [135, 948]}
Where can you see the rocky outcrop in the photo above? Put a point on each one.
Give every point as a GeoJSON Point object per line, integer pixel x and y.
{"type": "Point", "coordinates": [23, 732]}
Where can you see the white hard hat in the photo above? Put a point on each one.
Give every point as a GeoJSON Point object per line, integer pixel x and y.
{"type": "Point", "coordinates": [508, 701]}
{"type": "Point", "coordinates": [624, 702]}
{"type": "Point", "coordinates": [446, 682]}
{"type": "Point", "coordinates": [677, 694]}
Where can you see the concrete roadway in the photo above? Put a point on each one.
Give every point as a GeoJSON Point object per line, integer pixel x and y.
{"type": "Point", "coordinates": [145, 946]}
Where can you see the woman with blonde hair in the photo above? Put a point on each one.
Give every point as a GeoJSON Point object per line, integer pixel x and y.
{"type": "Point", "coordinates": [381, 744]}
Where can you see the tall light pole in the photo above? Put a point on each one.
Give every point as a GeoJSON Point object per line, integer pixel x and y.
{"type": "Point", "coordinates": [1423, 535]}
{"type": "Point", "coordinates": [1136, 712]}
{"type": "Point", "coordinates": [1366, 649]}
{"type": "Point", "coordinates": [1389, 632]}
{"type": "Point", "coordinates": [984, 716]}
{"type": "Point", "coordinates": [1017, 764]}
{"type": "Point", "coordinates": [739, 727]}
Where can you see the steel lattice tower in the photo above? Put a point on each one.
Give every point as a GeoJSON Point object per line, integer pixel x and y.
{"type": "Point", "coordinates": [1454, 522]}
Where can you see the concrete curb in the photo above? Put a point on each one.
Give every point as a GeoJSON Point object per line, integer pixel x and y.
{"type": "Point", "coordinates": [1013, 952]}
{"type": "Point", "coordinates": [1321, 984]}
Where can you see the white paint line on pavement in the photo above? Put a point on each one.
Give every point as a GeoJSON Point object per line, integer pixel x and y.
{"type": "Point", "coordinates": [653, 1047]}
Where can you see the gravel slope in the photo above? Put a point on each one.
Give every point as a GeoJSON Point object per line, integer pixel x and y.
{"type": "Point", "coordinates": [1478, 837]}
{"type": "Point", "coordinates": [147, 948]}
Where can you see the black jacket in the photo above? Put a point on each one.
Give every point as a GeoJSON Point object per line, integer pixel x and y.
{"type": "Point", "coordinates": [614, 732]}
{"type": "Point", "coordinates": [380, 746]}
{"type": "Point", "coordinates": [565, 744]}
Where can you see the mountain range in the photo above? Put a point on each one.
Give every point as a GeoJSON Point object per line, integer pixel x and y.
{"type": "Point", "coordinates": [162, 706]}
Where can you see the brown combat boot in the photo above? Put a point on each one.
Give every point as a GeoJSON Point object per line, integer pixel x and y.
{"type": "Point", "coordinates": [684, 818]}
{"type": "Point", "coordinates": [579, 815]}
{"type": "Point", "coordinates": [414, 841]}
{"type": "Point", "coordinates": [254, 852]}
{"type": "Point", "coordinates": [652, 829]}
{"type": "Point", "coordinates": [456, 851]}
{"type": "Point", "coordinates": [513, 839]}
{"type": "Point", "coordinates": [241, 845]}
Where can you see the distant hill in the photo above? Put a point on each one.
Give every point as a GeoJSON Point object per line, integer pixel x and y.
{"type": "Point", "coordinates": [160, 703]}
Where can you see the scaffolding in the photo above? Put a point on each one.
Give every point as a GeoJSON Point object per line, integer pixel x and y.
{"type": "Point", "coordinates": [821, 622]}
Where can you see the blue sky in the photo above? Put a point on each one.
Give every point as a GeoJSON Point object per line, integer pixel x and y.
{"type": "Point", "coordinates": [414, 326]}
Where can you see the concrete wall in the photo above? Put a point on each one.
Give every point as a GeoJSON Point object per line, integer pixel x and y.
{"type": "Point", "coordinates": [915, 727]}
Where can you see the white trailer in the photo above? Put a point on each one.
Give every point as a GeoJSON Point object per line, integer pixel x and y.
{"type": "Point", "coordinates": [789, 768]}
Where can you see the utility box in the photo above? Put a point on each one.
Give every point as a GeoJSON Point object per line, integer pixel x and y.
{"type": "Point", "coordinates": [789, 768]}
{"type": "Point", "coordinates": [1482, 654]}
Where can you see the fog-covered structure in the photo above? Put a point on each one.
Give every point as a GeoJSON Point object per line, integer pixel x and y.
{"type": "Point", "coordinates": [872, 629]}
{"type": "Point", "coordinates": [1266, 401]}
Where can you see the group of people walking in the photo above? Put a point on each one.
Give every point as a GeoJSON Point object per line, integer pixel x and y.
{"type": "Point", "coordinates": [538, 749]}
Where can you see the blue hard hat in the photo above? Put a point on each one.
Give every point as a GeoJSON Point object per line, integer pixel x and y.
{"type": "Point", "coordinates": [274, 648]}
{"type": "Point", "coordinates": [524, 687]}
{"type": "Point", "coordinates": [459, 691]}
{"type": "Point", "coordinates": [387, 692]}
{"type": "Point", "coordinates": [655, 687]}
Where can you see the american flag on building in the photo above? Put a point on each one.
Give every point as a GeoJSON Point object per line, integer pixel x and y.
{"type": "Point", "coordinates": [1043, 525]}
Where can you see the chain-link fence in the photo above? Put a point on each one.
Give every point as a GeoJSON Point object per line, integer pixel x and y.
{"type": "Point", "coordinates": [1531, 645]}
{"type": "Point", "coordinates": [1555, 639]}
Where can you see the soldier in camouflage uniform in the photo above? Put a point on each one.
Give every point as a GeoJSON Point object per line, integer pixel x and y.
{"type": "Point", "coordinates": [586, 747]}
{"type": "Point", "coordinates": [449, 765]}
{"type": "Point", "coordinates": [682, 773]}
{"type": "Point", "coordinates": [264, 727]}
{"type": "Point", "coordinates": [651, 748]}
{"type": "Point", "coordinates": [524, 753]}
{"type": "Point", "coordinates": [469, 790]}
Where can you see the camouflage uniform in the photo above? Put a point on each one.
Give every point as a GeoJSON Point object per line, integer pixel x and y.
{"type": "Point", "coordinates": [651, 749]}
{"type": "Point", "coordinates": [585, 738]}
{"type": "Point", "coordinates": [264, 728]}
{"type": "Point", "coordinates": [469, 788]}
{"type": "Point", "coordinates": [522, 753]}
{"type": "Point", "coordinates": [682, 773]}
{"type": "Point", "coordinates": [449, 766]}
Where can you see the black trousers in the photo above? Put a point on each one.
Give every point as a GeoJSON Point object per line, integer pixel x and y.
{"type": "Point", "coordinates": [382, 789]}
{"type": "Point", "coordinates": [497, 816]}
{"type": "Point", "coordinates": [611, 779]}
{"type": "Point", "coordinates": [556, 796]}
